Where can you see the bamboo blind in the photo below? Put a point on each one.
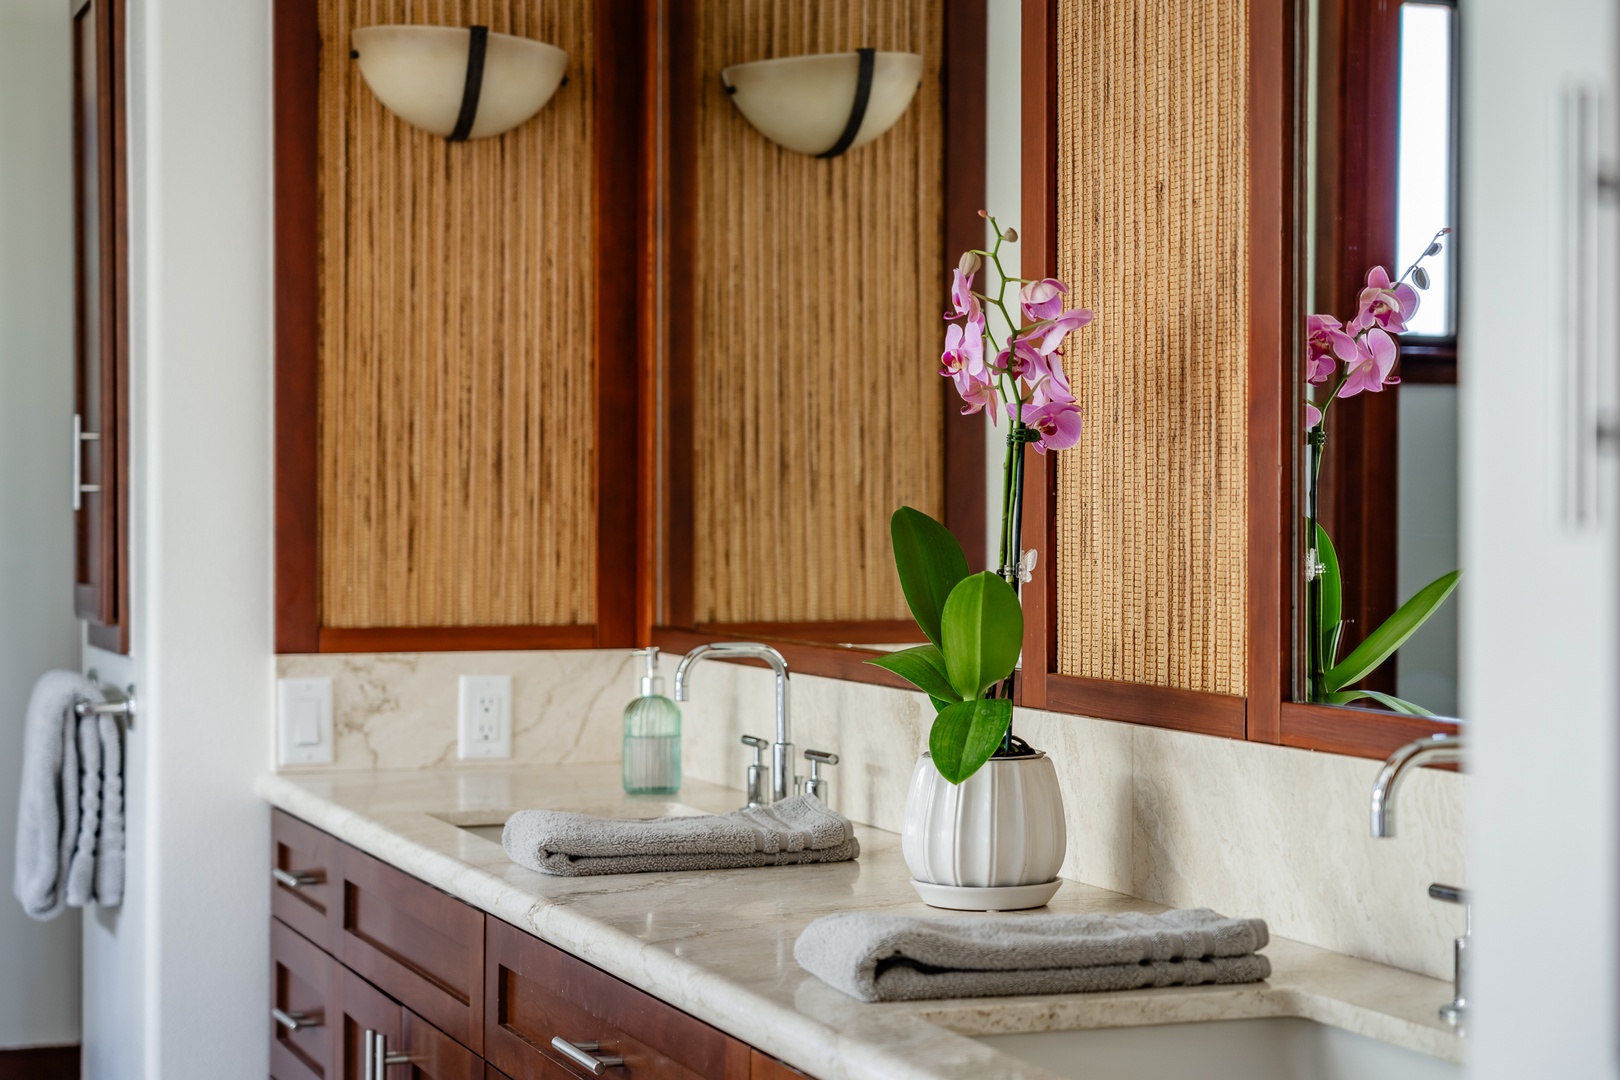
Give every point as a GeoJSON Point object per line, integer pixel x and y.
{"type": "Point", "coordinates": [1152, 231]}
{"type": "Point", "coordinates": [820, 286]}
{"type": "Point", "coordinates": [456, 344]}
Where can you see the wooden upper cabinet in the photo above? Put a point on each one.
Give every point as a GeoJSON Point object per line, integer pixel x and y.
{"type": "Point", "coordinates": [100, 325]}
{"type": "Point", "coordinates": [457, 338]}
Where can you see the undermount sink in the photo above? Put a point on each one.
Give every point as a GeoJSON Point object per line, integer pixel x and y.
{"type": "Point", "coordinates": [1268, 1049]}
{"type": "Point", "coordinates": [489, 826]}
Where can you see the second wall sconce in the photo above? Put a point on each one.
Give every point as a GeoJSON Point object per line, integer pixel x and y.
{"type": "Point", "coordinates": [458, 82]}
{"type": "Point", "coordinates": [826, 104]}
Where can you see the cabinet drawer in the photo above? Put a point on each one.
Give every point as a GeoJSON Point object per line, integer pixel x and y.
{"type": "Point", "coordinates": [302, 994]}
{"type": "Point", "coordinates": [421, 947]}
{"type": "Point", "coordinates": [304, 884]}
{"type": "Point", "coordinates": [536, 992]}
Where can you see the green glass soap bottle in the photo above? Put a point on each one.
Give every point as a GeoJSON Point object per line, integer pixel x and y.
{"type": "Point", "coordinates": [652, 736]}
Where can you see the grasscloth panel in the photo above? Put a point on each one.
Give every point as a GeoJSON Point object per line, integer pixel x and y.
{"type": "Point", "coordinates": [1152, 231]}
{"type": "Point", "coordinates": [819, 288]}
{"type": "Point", "coordinates": [456, 344]}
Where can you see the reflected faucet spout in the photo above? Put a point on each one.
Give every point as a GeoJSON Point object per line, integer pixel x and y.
{"type": "Point", "coordinates": [1434, 750]}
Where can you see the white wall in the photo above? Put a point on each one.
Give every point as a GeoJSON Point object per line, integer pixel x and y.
{"type": "Point", "coordinates": [178, 980]}
{"type": "Point", "coordinates": [1002, 197]}
{"type": "Point", "coordinates": [1426, 666]}
{"type": "Point", "coordinates": [1539, 631]}
{"type": "Point", "coordinates": [39, 963]}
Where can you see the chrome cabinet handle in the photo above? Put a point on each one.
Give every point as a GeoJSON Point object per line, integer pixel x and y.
{"type": "Point", "coordinates": [295, 1021]}
{"type": "Point", "coordinates": [297, 879]}
{"type": "Point", "coordinates": [80, 437]}
{"type": "Point", "coordinates": [583, 1054]}
{"type": "Point", "coordinates": [376, 1058]}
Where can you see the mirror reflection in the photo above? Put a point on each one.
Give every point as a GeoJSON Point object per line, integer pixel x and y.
{"type": "Point", "coordinates": [1378, 378]}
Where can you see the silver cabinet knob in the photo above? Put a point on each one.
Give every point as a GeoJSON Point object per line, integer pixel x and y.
{"type": "Point", "coordinates": [295, 1021]}
{"type": "Point", "coordinates": [584, 1055]}
{"type": "Point", "coordinates": [297, 879]}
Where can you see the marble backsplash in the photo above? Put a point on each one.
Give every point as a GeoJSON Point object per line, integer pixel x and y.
{"type": "Point", "coordinates": [1177, 818]}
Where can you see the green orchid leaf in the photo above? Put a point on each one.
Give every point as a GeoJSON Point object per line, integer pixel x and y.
{"type": "Point", "coordinates": [1389, 701]}
{"type": "Point", "coordinates": [983, 627]}
{"type": "Point", "coordinates": [1331, 615]}
{"type": "Point", "coordinates": [930, 563]}
{"type": "Point", "coordinates": [941, 704]}
{"type": "Point", "coordinates": [1393, 633]}
{"type": "Point", "coordinates": [922, 667]}
{"type": "Point", "coordinates": [966, 734]}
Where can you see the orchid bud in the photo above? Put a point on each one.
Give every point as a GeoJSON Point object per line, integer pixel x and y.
{"type": "Point", "coordinates": [983, 214]}
{"type": "Point", "coordinates": [969, 263]}
{"type": "Point", "coordinates": [1011, 235]}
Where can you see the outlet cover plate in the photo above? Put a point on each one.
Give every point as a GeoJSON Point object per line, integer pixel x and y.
{"type": "Point", "coordinates": [484, 721]}
{"type": "Point", "coordinates": [304, 721]}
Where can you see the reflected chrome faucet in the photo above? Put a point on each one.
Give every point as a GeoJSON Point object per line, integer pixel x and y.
{"type": "Point", "coordinates": [783, 780]}
{"type": "Point", "coordinates": [1434, 750]}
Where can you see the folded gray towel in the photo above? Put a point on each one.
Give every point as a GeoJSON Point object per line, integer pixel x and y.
{"type": "Point", "coordinates": [799, 829]}
{"type": "Point", "coordinates": [878, 957]}
{"type": "Point", "coordinates": [48, 798]}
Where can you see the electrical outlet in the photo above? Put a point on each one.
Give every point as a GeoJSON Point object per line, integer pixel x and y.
{"type": "Point", "coordinates": [484, 726]}
{"type": "Point", "coordinates": [304, 721]}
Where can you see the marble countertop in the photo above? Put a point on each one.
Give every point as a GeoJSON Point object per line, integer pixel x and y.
{"type": "Point", "coordinates": [719, 945]}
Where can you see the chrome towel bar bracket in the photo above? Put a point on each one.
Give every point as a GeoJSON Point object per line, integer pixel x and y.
{"type": "Point", "coordinates": [118, 703]}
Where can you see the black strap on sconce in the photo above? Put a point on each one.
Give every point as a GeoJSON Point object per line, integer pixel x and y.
{"type": "Point", "coordinates": [476, 46]}
{"type": "Point", "coordinates": [857, 111]}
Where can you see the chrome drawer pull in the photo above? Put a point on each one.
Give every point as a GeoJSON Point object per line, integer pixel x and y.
{"type": "Point", "coordinates": [581, 1054]}
{"type": "Point", "coordinates": [295, 1021]}
{"type": "Point", "coordinates": [298, 879]}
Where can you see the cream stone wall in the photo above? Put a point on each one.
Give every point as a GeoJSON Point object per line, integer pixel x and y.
{"type": "Point", "coordinates": [1176, 818]}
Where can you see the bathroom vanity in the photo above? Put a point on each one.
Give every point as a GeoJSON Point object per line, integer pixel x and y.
{"type": "Point", "coordinates": [403, 936]}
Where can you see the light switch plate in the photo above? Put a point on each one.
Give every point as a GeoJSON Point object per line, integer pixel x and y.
{"type": "Point", "coordinates": [484, 723]}
{"type": "Point", "coordinates": [304, 721]}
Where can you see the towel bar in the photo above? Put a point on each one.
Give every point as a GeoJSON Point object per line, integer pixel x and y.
{"type": "Point", "coordinates": [118, 703]}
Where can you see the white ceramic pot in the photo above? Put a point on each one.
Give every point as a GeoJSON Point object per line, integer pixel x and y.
{"type": "Point", "coordinates": [1001, 827]}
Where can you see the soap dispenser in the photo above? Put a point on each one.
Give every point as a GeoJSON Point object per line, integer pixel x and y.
{"type": "Point", "coordinates": [652, 736]}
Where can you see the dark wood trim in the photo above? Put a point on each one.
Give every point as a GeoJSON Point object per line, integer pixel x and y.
{"type": "Point", "coordinates": [803, 658]}
{"type": "Point", "coordinates": [1429, 361]}
{"type": "Point", "coordinates": [963, 79]}
{"type": "Point", "coordinates": [619, 249]}
{"type": "Point", "coordinates": [853, 632]}
{"type": "Point", "coordinates": [652, 337]}
{"type": "Point", "coordinates": [40, 1063]}
{"type": "Point", "coordinates": [1038, 258]}
{"type": "Point", "coordinates": [338, 639]}
{"type": "Point", "coordinates": [1155, 706]}
{"type": "Point", "coordinates": [1272, 274]}
{"type": "Point", "coordinates": [1368, 733]}
{"type": "Point", "coordinates": [297, 47]}
{"type": "Point", "coordinates": [676, 571]}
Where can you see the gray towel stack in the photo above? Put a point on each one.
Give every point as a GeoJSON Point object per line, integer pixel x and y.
{"type": "Point", "coordinates": [796, 830]}
{"type": "Point", "coordinates": [878, 957]}
{"type": "Point", "coordinates": [70, 814]}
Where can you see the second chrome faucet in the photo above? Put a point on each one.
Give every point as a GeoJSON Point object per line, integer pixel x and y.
{"type": "Point", "coordinates": [783, 781]}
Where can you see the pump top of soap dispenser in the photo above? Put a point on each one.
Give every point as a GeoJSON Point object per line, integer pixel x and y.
{"type": "Point", "coordinates": [652, 683]}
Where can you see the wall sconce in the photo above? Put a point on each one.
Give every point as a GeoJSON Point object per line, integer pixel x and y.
{"type": "Point", "coordinates": [826, 104]}
{"type": "Point", "coordinates": [458, 82]}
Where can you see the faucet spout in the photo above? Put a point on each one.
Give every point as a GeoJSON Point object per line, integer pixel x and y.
{"type": "Point", "coordinates": [782, 778]}
{"type": "Point", "coordinates": [1434, 750]}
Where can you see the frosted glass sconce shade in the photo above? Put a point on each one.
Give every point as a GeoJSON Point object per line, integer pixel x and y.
{"type": "Point", "coordinates": [458, 82]}
{"type": "Point", "coordinates": [825, 104]}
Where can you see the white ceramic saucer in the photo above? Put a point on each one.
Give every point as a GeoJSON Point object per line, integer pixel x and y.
{"type": "Point", "coordinates": [1005, 898]}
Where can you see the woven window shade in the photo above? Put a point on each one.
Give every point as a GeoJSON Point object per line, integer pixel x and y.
{"type": "Point", "coordinates": [456, 344]}
{"type": "Point", "coordinates": [820, 286]}
{"type": "Point", "coordinates": [1152, 232]}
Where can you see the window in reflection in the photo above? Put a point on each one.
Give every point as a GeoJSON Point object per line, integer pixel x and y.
{"type": "Point", "coordinates": [1424, 189]}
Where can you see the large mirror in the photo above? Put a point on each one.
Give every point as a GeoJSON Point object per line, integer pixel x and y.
{"type": "Point", "coordinates": [1376, 623]}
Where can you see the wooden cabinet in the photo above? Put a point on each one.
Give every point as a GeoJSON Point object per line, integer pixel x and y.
{"type": "Point", "coordinates": [363, 954]}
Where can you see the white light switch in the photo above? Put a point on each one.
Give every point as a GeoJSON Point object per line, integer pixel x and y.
{"type": "Point", "coordinates": [304, 721]}
{"type": "Point", "coordinates": [484, 726]}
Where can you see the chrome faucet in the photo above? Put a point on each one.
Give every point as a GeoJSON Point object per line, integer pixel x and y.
{"type": "Point", "coordinates": [783, 780]}
{"type": "Point", "coordinates": [1434, 750]}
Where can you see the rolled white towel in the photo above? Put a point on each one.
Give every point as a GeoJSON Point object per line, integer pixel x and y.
{"type": "Point", "coordinates": [48, 798]}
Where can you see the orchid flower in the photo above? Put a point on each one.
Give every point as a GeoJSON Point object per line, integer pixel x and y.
{"type": "Point", "coordinates": [1051, 332]}
{"type": "Point", "coordinates": [1059, 424]}
{"type": "Point", "coordinates": [1042, 299]}
{"type": "Point", "coordinates": [1384, 305]}
{"type": "Point", "coordinates": [1370, 371]}
{"type": "Point", "coordinates": [964, 348]}
{"type": "Point", "coordinates": [1325, 339]}
{"type": "Point", "coordinates": [977, 395]}
{"type": "Point", "coordinates": [962, 298]}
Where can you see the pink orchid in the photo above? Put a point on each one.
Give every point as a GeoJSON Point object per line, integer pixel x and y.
{"type": "Point", "coordinates": [1384, 306]}
{"type": "Point", "coordinates": [1042, 299]}
{"type": "Point", "coordinates": [1051, 332]}
{"type": "Point", "coordinates": [1313, 416]}
{"type": "Point", "coordinates": [1058, 422]}
{"type": "Point", "coordinates": [1044, 374]}
{"type": "Point", "coordinates": [978, 393]}
{"type": "Point", "coordinates": [1325, 339]}
{"type": "Point", "coordinates": [962, 298]}
{"type": "Point", "coordinates": [1370, 371]}
{"type": "Point", "coordinates": [964, 348]}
